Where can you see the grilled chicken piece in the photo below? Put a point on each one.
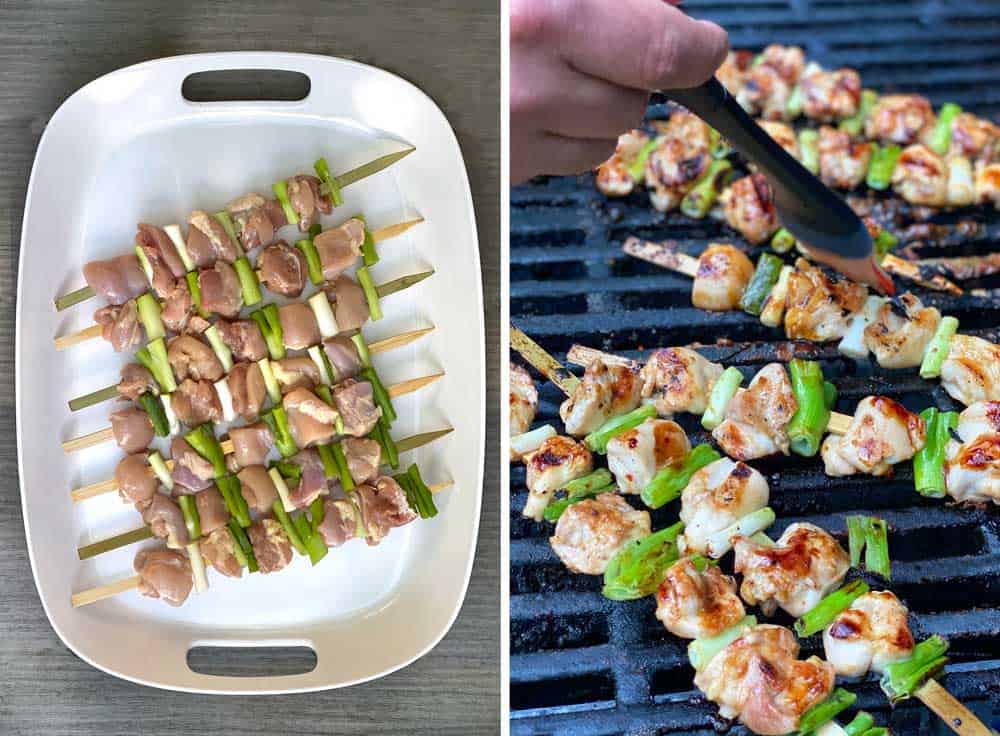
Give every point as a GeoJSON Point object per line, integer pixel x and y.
{"type": "Point", "coordinates": [882, 433]}
{"type": "Point", "coordinates": [305, 198]}
{"type": "Point", "coordinates": [636, 456]}
{"type": "Point", "coordinates": [971, 372]}
{"type": "Point", "coordinates": [220, 290]}
{"type": "Point", "coordinates": [313, 482]}
{"type": "Point", "coordinates": [283, 269]}
{"type": "Point", "coordinates": [163, 279]}
{"type": "Point", "coordinates": [165, 574]}
{"type": "Point", "coordinates": [191, 358]}
{"type": "Point", "coordinates": [681, 157]}
{"type": "Point", "coordinates": [343, 357]}
{"type": "Point", "coordinates": [820, 303]}
{"type": "Point", "coordinates": [341, 520]}
{"type": "Point", "coordinates": [557, 461]}
{"type": "Point", "coordinates": [351, 307]}
{"type": "Point", "coordinates": [605, 391]}
{"type": "Point", "coordinates": [679, 380]}
{"type": "Point", "coordinates": [190, 470]}
{"type": "Point", "coordinates": [219, 550]}
{"type": "Point", "coordinates": [769, 83]}
{"type": "Point", "coordinates": [364, 457]}
{"type": "Point", "coordinates": [247, 389]}
{"type": "Point", "coordinates": [843, 163]}
{"type": "Point", "coordinates": [748, 204]}
{"type": "Point", "coordinates": [383, 508]}
{"type": "Point", "coordinates": [972, 468]}
{"type": "Point", "coordinates": [805, 564]}
{"type": "Point", "coordinates": [783, 134]}
{"type": "Point", "coordinates": [270, 545]}
{"type": "Point", "coordinates": [693, 604]}
{"type": "Point", "coordinates": [723, 273]}
{"type": "Point", "coordinates": [717, 496]}
{"type": "Point", "coordinates": [212, 511]}
{"type": "Point", "coordinates": [120, 325]}
{"type": "Point", "coordinates": [974, 137]}
{"type": "Point", "coordinates": [243, 338]}
{"type": "Point", "coordinates": [251, 444]}
{"type": "Point", "coordinates": [869, 635]}
{"type": "Point", "coordinates": [356, 404]}
{"type": "Point", "coordinates": [310, 419]}
{"type": "Point", "coordinates": [829, 96]}
{"type": "Point", "coordinates": [298, 372]}
{"type": "Point", "coordinates": [734, 70]}
{"type": "Point", "coordinates": [208, 241]}
{"type": "Point", "coordinates": [132, 429]}
{"type": "Point", "coordinates": [921, 176]}
{"type": "Point", "coordinates": [165, 520]}
{"type": "Point", "coordinates": [136, 380]}
{"type": "Point", "coordinates": [613, 178]}
{"type": "Point", "coordinates": [591, 532]}
{"type": "Point", "coordinates": [523, 400]}
{"type": "Point", "coordinates": [902, 119]}
{"type": "Point", "coordinates": [257, 488]}
{"type": "Point", "coordinates": [116, 280]}
{"type": "Point", "coordinates": [756, 418]}
{"type": "Point", "coordinates": [136, 482]}
{"type": "Point", "coordinates": [252, 216]}
{"type": "Point", "coordinates": [339, 247]}
{"type": "Point", "coordinates": [760, 680]}
{"type": "Point", "coordinates": [299, 327]}
{"type": "Point", "coordinates": [196, 402]}
{"type": "Point", "coordinates": [987, 184]}
{"type": "Point", "coordinates": [900, 331]}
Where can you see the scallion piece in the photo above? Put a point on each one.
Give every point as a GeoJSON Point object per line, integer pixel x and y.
{"type": "Point", "coordinates": [555, 509]}
{"type": "Point", "coordinates": [877, 547]}
{"type": "Point", "coordinates": [323, 391]}
{"type": "Point", "coordinates": [884, 243]}
{"type": "Point", "coordinates": [190, 512]}
{"type": "Point", "coordinates": [149, 315]}
{"type": "Point", "coordinates": [174, 233]}
{"type": "Point", "coordinates": [381, 434]}
{"type": "Point", "coordinates": [637, 169]}
{"type": "Point", "coordinates": [928, 463]}
{"type": "Point", "coordinates": [380, 393]}
{"type": "Point", "coordinates": [317, 512]}
{"type": "Point", "coordinates": [368, 287]}
{"type": "Point", "coordinates": [168, 411]}
{"type": "Point", "coordinates": [197, 567]}
{"type": "Point", "coordinates": [219, 347]}
{"type": "Point", "coordinates": [856, 538]}
{"type": "Point", "coordinates": [223, 218]}
{"type": "Point", "coordinates": [330, 186]}
{"type": "Point", "coordinates": [325, 319]}
{"type": "Point", "coordinates": [722, 393]}
{"type": "Point", "coordinates": [701, 651]}
{"type": "Point", "coordinates": [720, 542]}
{"type": "Point", "coordinates": [243, 543]}
{"type": "Point", "coordinates": [289, 471]}
{"type": "Point", "coordinates": [938, 348]}
{"type": "Point", "coordinates": [422, 494]}
{"type": "Point", "coordinates": [312, 260]}
{"type": "Point", "coordinates": [700, 199]}
{"type": "Point", "coordinates": [203, 440]}
{"type": "Point", "coordinates": [231, 490]}
{"type": "Point", "coordinates": [249, 284]}
{"type": "Point", "coordinates": [901, 679]}
{"type": "Point", "coordinates": [330, 469]}
{"type": "Point", "coordinates": [637, 570]}
{"type": "Point", "coordinates": [880, 731]}
{"type": "Point", "coordinates": [940, 139]}
{"type": "Point", "coordinates": [154, 357]}
{"type": "Point", "coordinates": [195, 288]}
{"type": "Point", "coordinates": [315, 546]}
{"type": "Point", "coordinates": [839, 701]}
{"type": "Point", "coordinates": [343, 468]}
{"type": "Point", "coordinates": [598, 440]}
{"type": "Point", "coordinates": [362, 347]}
{"type": "Point", "coordinates": [280, 189]}
{"type": "Point", "coordinates": [881, 166]}
{"type": "Point", "coordinates": [161, 470]}
{"type": "Point", "coordinates": [273, 389]}
{"type": "Point", "coordinates": [154, 410]}
{"type": "Point", "coordinates": [809, 149]}
{"type": "Point", "coordinates": [829, 395]}
{"type": "Point", "coordinates": [672, 480]}
{"type": "Point", "coordinates": [275, 346]}
{"type": "Point", "coordinates": [806, 428]}
{"type": "Point", "coordinates": [286, 523]}
{"type": "Point", "coordinates": [765, 276]}
{"type": "Point", "coordinates": [823, 614]}
{"type": "Point", "coordinates": [854, 124]}
{"type": "Point", "coordinates": [793, 107]}
{"type": "Point", "coordinates": [861, 723]}
{"type": "Point", "coordinates": [597, 479]}
{"type": "Point", "coordinates": [368, 253]}
{"type": "Point", "coordinates": [277, 421]}
{"type": "Point", "coordinates": [782, 241]}
{"type": "Point", "coordinates": [144, 264]}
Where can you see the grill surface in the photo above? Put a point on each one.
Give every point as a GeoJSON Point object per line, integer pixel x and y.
{"type": "Point", "coordinates": [583, 665]}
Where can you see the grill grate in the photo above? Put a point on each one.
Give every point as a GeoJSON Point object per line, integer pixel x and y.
{"type": "Point", "coordinates": [583, 665]}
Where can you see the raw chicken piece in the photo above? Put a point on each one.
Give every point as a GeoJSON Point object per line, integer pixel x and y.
{"type": "Point", "coordinates": [219, 551]}
{"type": "Point", "coordinates": [383, 508]}
{"type": "Point", "coordinates": [293, 373]}
{"type": "Point", "coordinates": [220, 290]}
{"type": "Point", "coordinates": [364, 457]}
{"type": "Point", "coordinates": [136, 380]}
{"type": "Point", "coordinates": [351, 308]}
{"type": "Point", "coordinates": [212, 511]}
{"type": "Point", "coordinates": [343, 357]}
{"type": "Point", "coordinates": [190, 470]}
{"type": "Point", "coordinates": [341, 519]}
{"type": "Point", "coordinates": [135, 480]}
{"type": "Point", "coordinates": [340, 247]}
{"type": "Point", "coordinates": [282, 269]}
{"type": "Point", "coordinates": [247, 389]}
{"type": "Point", "coordinates": [305, 198]}
{"type": "Point", "coordinates": [251, 444]}
{"type": "Point", "coordinates": [257, 488]}
{"type": "Point", "coordinates": [132, 429]}
{"type": "Point", "coordinates": [191, 358]}
{"type": "Point", "coordinates": [208, 241]}
{"type": "Point", "coordinates": [165, 520]}
{"type": "Point", "coordinates": [355, 402]}
{"type": "Point", "coordinates": [120, 326]}
{"type": "Point", "coordinates": [165, 574]}
{"type": "Point", "coordinates": [270, 545]}
{"type": "Point", "coordinates": [196, 402]}
{"type": "Point", "coordinates": [116, 280]}
{"type": "Point", "coordinates": [299, 327]}
{"type": "Point", "coordinates": [243, 339]}
{"type": "Point", "coordinates": [310, 419]}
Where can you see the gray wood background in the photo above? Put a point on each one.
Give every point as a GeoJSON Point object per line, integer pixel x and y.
{"type": "Point", "coordinates": [449, 48]}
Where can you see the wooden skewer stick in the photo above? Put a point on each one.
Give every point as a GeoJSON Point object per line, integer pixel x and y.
{"type": "Point", "coordinates": [920, 274]}
{"type": "Point", "coordinates": [109, 590]}
{"type": "Point", "coordinates": [960, 719]}
{"type": "Point", "coordinates": [544, 363]}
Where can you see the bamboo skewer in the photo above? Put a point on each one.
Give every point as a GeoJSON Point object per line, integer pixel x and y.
{"type": "Point", "coordinates": [109, 590]}
{"type": "Point", "coordinates": [949, 709]}
{"type": "Point", "coordinates": [545, 363]}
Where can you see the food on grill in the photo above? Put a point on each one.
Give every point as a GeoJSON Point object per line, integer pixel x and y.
{"type": "Point", "coordinates": [900, 119]}
{"type": "Point", "coordinates": [830, 95]}
{"type": "Point", "coordinates": [748, 206]}
{"type": "Point", "coordinates": [755, 419]}
{"type": "Point", "coordinates": [604, 391]}
{"type": "Point", "coordinates": [900, 331]}
{"type": "Point", "coordinates": [843, 162]}
{"type": "Point", "coordinates": [593, 531]}
{"type": "Point", "coordinates": [681, 156]}
{"type": "Point", "coordinates": [971, 371]}
{"type": "Point", "coordinates": [881, 434]}
{"type": "Point", "coordinates": [723, 274]}
{"type": "Point", "coordinates": [717, 498]}
{"type": "Point", "coordinates": [872, 633]}
{"type": "Point", "coordinates": [770, 83]}
{"type": "Point", "coordinates": [819, 303]}
{"type": "Point", "coordinates": [638, 454]}
{"type": "Point", "coordinates": [618, 176]}
{"type": "Point", "coordinates": [523, 400]}
{"type": "Point", "coordinates": [696, 600]}
{"type": "Point", "coordinates": [557, 461]}
{"type": "Point", "coordinates": [972, 455]}
{"type": "Point", "coordinates": [678, 380]}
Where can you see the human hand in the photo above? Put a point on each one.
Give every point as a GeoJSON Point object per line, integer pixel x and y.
{"type": "Point", "coordinates": [581, 71]}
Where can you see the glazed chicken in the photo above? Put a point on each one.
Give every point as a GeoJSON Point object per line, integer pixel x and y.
{"type": "Point", "coordinates": [820, 303]}
{"type": "Point", "coordinates": [770, 82]}
{"type": "Point", "coordinates": [748, 205]}
{"type": "Point", "coordinates": [165, 574]}
{"type": "Point", "coordinates": [613, 177]}
{"type": "Point", "coordinates": [972, 467]}
{"type": "Point", "coordinates": [135, 480]}
{"type": "Point", "coordinates": [803, 566]}
{"type": "Point", "coordinates": [716, 497]}
{"type": "Point", "coordinates": [759, 679]}
{"type": "Point", "coordinates": [591, 532]}
{"type": "Point", "coordinates": [921, 176]}
{"type": "Point", "coordinates": [282, 269]}
{"type": "Point", "coordinates": [756, 418]}
{"type": "Point", "coordinates": [971, 372]}
{"type": "Point", "coordinates": [829, 96]}
{"type": "Point", "coordinates": [869, 635]}
{"type": "Point", "coordinates": [339, 247]}
{"type": "Point", "coordinates": [191, 358]}
{"type": "Point", "coordinates": [682, 155]}
{"type": "Point", "coordinates": [783, 134]}
{"type": "Point", "coordinates": [132, 429]}
{"type": "Point", "coordinates": [120, 325]}
{"type": "Point", "coordinates": [881, 434]}
{"type": "Point", "coordinates": [843, 163]}
{"type": "Point", "coordinates": [556, 462]}
{"type": "Point", "coordinates": [900, 119]}
{"type": "Point", "coordinates": [116, 280]}
{"type": "Point", "coordinates": [697, 604]}
{"type": "Point", "coordinates": [270, 544]}
{"type": "Point", "coordinates": [723, 273]}
{"type": "Point", "coordinates": [523, 400]}
{"type": "Point", "coordinates": [678, 380]}
{"type": "Point", "coordinates": [901, 330]}
{"type": "Point", "coordinates": [637, 455]}
{"type": "Point", "coordinates": [299, 327]}
{"type": "Point", "coordinates": [973, 137]}
{"type": "Point", "coordinates": [383, 508]}
{"type": "Point", "coordinates": [987, 184]}
{"type": "Point", "coordinates": [605, 391]}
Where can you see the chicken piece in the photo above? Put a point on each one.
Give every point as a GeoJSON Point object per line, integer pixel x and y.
{"type": "Point", "coordinates": [748, 204]}
{"type": "Point", "coordinates": [869, 635]}
{"type": "Point", "coordinates": [734, 70]}
{"type": "Point", "coordinates": [803, 566]}
{"type": "Point", "coordinates": [247, 389]}
{"type": "Point", "coordinates": [355, 403]}
{"type": "Point", "coordinates": [178, 308]}
{"type": "Point", "coordinates": [974, 137]}
{"type": "Point", "coordinates": [341, 522]}
{"type": "Point", "coordinates": [820, 303]}
{"type": "Point", "coordinates": [921, 176]}
{"type": "Point", "coordinates": [196, 402]}
{"type": "Point", "coordinates": [756, 418]}
{"type": "Point", "coordinates": [339, 247]}
{"type": "Point", "coordinates": [759, 679]}
{"type": "Point", "coordinates": [136, 482]}
{"type": "Point", "coordinates": [116, 280]}
{"type": "Point", "coordinates": [987, 184]}
{"type": "Point", "coordinates": [162, 281]}
{"type": "Point", "coordinates": [310, 419]}
{"type": "Point", "coordinates": [270, 545]}
{"type": "Point", "coordinates": [383, 508]}
{"type": "Point", "coordinates": [605, 391]}
{"type": "Point", "coordinates": [343, 357]}
{"type": "Point", "coordinates": [680, 159]}
{"type": "Point", "coordinates": [881, 434]}
{"type": "Point", "coordinates": [299, 327]}
{"type": "Point", "coordinates": [972, 466]}
{"type": "Point", "coordinates": [591, 532]}
{"type": "Point", "coordinates": [191, 358]}
{"type": "Point", "coordinates": [257, 488]}
{"type": "Point", "coordinates": [212, 511]}
{"type": "Point", "coordinates": [120, 326]}
{"type": "Point", "coordinates": [900, 331]}
{"type": "Point", "coordinates": [251, 215]}
{"type": "Point", "coordinates": [152, 237]}
{"type": "Point", "coordinates": [251, 444]}
{"type": "Point", "coordinates": [221, 292]}
{"type": "Point", "coordinates": [307, 201]}
{"type": "Point", "coordinates": [164, 574]}
{"type": "Point", "coordinates": [132, 429]}
{"type": "Point", "coordinates": [364, 457]}
{"type": "Point", "coordinates": [190, 470]}
{"type": "Point", "coordinates": [313, 482]}
{"type": "Point", "coordinates": [770, 82]}
{"type": "Point", "coordinates": [208, 241]}
{"type": "Point", "coordinates": [901, 119]}
{"type": "Point", "coordinates": [693, 604]}
{"type": "Point", "coordinates": [613, 178]}
{"type": "Point", "coordinates": [165, 520]}
{"type": "Point", "coordinates": [679, 380]}
{"type": "Point", "coordinates": [723, 273]}
{"type": "Point", "coordinates": [557, 461]}
{"type": "Point", "coordinates": [843, 163]}
{"type": "Point", "coordinates": [784, 135]}
{"type": "Point", "coordinates": [219, 551]}
{"type": "Point", "coordinates": [717, 496]}
{"type": "Point", "coordinates": [523, 400]}
{"type": "Point", "coordinates": [829, 96]}
{"type": "Point", "coordinates": [136, 380]}
{"type": "Point", "coordinates": [283, 269]}
{"type": "Point", "coordinates": [971, 372]}
{"type": "Point", "coordinates": [637, 455]}
{"type": "Point", "coordinates": [243, 338]}
{"type": "Point", "coordinates": [293, 373]}
{"type": "Point", "coordinates": [351, 307]}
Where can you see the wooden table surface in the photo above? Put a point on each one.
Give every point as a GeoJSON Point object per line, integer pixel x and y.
{"type": "Point", "coordinates": [48, 50]}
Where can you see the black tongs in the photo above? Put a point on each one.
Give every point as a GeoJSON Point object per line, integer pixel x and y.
{"type": "Point", "coordinates": [817, 217]}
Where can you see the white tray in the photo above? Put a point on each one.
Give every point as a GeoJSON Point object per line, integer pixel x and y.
{"type": "Point", "coordinates": [128, 147]}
